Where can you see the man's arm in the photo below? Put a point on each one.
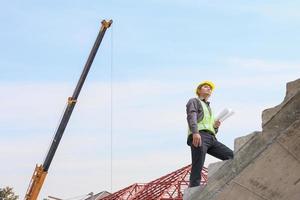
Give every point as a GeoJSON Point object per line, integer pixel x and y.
{"type": "Point", "coordinates": [193, 109]}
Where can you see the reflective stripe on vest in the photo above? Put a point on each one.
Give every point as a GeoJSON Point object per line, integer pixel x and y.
{"type": "Point", "coordinates": [207, 123]}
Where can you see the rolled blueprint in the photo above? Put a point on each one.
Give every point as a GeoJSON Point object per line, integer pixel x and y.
{"type": "Point", "coordinates": [224, 114]}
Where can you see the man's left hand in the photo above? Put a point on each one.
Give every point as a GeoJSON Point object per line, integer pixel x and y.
{"type": "Point", "coordinates": [217, 124]}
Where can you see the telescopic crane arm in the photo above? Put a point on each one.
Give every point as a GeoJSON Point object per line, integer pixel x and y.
{"type": "Point", "coordinates": [40, 171]}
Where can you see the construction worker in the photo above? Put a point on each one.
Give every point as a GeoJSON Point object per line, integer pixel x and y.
{"type": "Point", "coordinates": [202, 132]}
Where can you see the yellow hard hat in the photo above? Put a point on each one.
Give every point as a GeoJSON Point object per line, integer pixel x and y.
{"type": "Point", "coordinates": [209, 83]}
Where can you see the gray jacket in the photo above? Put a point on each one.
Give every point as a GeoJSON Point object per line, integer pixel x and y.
{"type": "Point", "coordinates": [195, 114]}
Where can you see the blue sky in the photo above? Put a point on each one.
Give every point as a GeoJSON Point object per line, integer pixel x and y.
{"type": "Point", "coordinates": [158, 52]}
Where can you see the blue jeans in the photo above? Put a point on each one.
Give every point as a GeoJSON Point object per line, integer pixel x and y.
{"type": "Point", "coordinates": [209, 145]}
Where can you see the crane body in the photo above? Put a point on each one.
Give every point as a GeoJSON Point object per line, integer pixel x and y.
{"type": "Point", "coordinates": [41, 171]}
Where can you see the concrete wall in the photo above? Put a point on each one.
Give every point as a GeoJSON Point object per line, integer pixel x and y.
{"type": "Point", "coordinates": [266, 164]}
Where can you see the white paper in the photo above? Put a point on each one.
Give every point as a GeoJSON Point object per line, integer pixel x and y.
{"type": "Point", "coordinates": [224, 114]}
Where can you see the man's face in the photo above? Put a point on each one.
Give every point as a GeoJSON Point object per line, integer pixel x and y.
{"type": "Point", "coordinates": [205, 91]}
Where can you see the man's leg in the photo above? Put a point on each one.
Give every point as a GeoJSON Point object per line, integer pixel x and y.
{"type": "Point", "coordinates": [220, 151]}
{"type": "Point", "coordinates": [198, 158]}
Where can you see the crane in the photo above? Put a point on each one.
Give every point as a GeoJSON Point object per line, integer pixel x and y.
{"type": "Point", "coordinates": [41, 171]}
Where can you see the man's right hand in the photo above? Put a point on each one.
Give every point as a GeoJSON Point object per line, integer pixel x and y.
{"type": "Point", "coordinates": [196, 139]}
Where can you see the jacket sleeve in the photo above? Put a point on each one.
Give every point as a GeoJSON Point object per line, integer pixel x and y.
{"type": "Point", "coordinates": [192, 110]}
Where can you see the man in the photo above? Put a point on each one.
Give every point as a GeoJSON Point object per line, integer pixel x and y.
{"type": "Point", "coordinates": [202, 132]}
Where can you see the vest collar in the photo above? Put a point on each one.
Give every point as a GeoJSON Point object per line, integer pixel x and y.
{"type": "Point", "coordinates": [202, 99]}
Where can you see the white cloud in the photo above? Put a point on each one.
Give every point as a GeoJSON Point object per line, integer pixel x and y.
{"type": "Point", "coordinates": [41, 106]}
{"type": "Point", "coordinates": [279, 11]}
{"type": "Point", "coordinates": [257, 75]}
{"type": "Point", "coordinates": [149, 133]}
{"type": "Point", "coordinates": [265, 65]}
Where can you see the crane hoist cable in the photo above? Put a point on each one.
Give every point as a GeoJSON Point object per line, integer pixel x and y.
{"type": "Point", "coordinates": [111, 107]}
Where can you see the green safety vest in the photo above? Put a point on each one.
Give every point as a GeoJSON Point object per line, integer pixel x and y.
{"type": "Point", "coordinates": [207, 123]}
